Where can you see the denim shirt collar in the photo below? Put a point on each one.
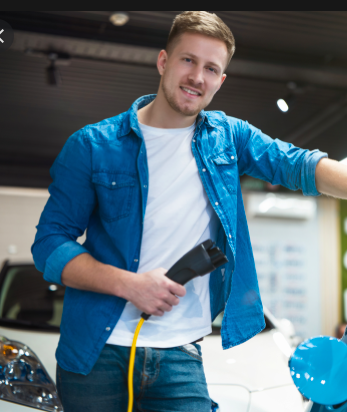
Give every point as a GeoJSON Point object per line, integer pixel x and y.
{"type": "Point", "coordinates": [130, 120]}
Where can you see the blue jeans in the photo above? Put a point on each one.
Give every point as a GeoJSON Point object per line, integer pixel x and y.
{"type": "Point", "coordinates": [165, 380]}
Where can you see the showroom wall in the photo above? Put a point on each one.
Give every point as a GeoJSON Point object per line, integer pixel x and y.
{"type": "Point", "coordinates": [295, 244]}
{"type": "Point", "coordinates": [20, 210]}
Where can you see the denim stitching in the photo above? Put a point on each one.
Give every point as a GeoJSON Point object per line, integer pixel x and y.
{"type": "Point", "coordinates": [244, 339]}
{"type": "Point", "coordinates": [143, 384]}
{"type": "Point", "coordinates": [143, 371]}
{"type": "Point", "coordinates": [138, 399]}
{"type": "Point", "coordinates": [199, 358]}
{"type": "Point", "coordinates": [129, 201]}
{"type": "Point", "coordinates": [157, 372]}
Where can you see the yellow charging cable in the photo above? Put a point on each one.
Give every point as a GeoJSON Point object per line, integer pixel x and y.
{"type": "Point", "coordinates": [131, 366]}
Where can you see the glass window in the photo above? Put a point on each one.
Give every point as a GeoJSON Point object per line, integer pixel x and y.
{"type": "Point", "coordinates": [27, 299]}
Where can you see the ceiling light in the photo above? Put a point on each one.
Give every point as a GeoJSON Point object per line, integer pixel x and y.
{"type": "Point", "coordinates": [286, 103]}
{"type": "Point", "coordinates": [119, 18]}
{"type": "Point", "coordinates": [282, 105]}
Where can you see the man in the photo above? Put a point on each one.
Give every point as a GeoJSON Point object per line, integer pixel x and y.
{"type": "Point", "coordinates": [148, 185]}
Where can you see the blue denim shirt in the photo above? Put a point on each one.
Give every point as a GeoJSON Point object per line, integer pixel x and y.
{"type": "Point", "coordinates": [100, 183]}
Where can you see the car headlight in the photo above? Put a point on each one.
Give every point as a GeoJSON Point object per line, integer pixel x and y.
{"type": "Point", "coordinates": [23, 378]}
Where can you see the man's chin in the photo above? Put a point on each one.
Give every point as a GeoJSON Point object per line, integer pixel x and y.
{"type": "Point", "coordinates": [190, 113]}
{"type": "Point", "coordinates": [188, 110]}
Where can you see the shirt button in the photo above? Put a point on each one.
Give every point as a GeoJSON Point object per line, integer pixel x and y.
{"type": "Point", "coordinates": [193, 140]}
{"type": "Point", "coordinates": [113, 183]}
{"type": "Point", "coordinates": [204, 170]}
{"type": "Point", "coordinates": [144, 185]}
{"type": "Point", "coordinates": [216, 203]}
{"type": "Point", "coordinates": [136, 260]}
{"type": "Point", "coordinates": [230, 236]}
{"type": "Point", "coordinates": [232, 158]}
{"type": "Point", "coordinates": [108, 328]}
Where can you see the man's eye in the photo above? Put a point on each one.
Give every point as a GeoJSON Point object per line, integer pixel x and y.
{"type": "Point", "coordinates": [187, 59]}
{"type": "Point", "coordinates": [211, 69]}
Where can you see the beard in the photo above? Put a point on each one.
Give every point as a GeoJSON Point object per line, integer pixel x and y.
{"type": "Point", "coordinates": [169, 96]}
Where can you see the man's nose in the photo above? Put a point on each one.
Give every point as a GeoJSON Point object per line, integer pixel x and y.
{"type": "Point", "coordinates": [196, 76]}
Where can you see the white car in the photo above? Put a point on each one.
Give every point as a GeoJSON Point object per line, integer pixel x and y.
{"type": "Point", "coordinates": [252, 377]}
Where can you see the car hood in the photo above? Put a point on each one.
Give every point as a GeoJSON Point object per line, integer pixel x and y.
{"type": "Point", "coordinates": [260, 363]}
{"type": "Point", "coordinates": [256, 364]}
{"type": "Point", "coordinates": [43, 344]}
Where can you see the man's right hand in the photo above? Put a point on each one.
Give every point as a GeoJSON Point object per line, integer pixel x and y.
{"type": "Point", "coordinates": [152, 292]}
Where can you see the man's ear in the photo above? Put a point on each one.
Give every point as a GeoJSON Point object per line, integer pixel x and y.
{"type": "Point", "coordinates": [222, 81]}
{"type": "Point", "coordinates": [161, 62]}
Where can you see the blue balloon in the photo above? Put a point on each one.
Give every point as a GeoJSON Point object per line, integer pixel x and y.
{"type": "Point", "coordinates": [319, 370]}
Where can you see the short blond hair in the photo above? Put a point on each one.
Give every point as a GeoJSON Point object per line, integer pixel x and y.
{"type": "Point", "coordinates": [202, 22]}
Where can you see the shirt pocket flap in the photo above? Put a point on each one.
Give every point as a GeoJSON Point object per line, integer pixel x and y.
{"type": "Point", "coordinates": [224, 158]}
{"type": "Point", "coordinates": [112, 180]}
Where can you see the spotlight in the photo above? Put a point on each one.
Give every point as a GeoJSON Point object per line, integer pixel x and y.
{"type": "Point", "coordinates": [286, 103]}
{"type": "Point", "coordinates": [282, 105]}
{"type": "Point", "coordinates": [119, 18]}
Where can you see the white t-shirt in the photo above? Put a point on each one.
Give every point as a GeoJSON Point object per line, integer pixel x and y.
{"type": "Point", "coordinates": [178, 217]}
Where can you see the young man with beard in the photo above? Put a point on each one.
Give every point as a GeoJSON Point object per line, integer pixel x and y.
{"type": "Point", "coordinates": [149, 185]}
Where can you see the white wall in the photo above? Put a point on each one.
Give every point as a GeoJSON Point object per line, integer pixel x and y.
{"type": "Point", "coordinates": [297, 266]}
{"type": "Point", "coordinates": [20, 210]}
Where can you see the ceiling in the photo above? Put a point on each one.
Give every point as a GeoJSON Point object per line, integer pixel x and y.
{"type": "Point", "coordinates": [112, 66]}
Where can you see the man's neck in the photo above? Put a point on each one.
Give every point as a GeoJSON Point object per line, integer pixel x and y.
{"type": "Point", "coordinates": [160, 114]}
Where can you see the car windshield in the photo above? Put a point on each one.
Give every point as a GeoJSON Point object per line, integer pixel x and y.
{"type": "Point", "coordinates": [27, 300]}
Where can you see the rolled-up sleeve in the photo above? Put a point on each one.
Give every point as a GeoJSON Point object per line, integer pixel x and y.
{"type": "Point", "coordinates": [68, 209]}
{"type": "Point", "coordinates": [275, 161]}
{"type": "Point", "coordinates": [308, 172]}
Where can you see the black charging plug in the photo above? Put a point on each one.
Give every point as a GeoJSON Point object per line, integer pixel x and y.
{"type": "Point", "coordinates": [199, 261]}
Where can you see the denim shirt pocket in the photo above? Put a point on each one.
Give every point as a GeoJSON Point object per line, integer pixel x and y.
{"type": "Point", "coordinates": [115, 193]}
{"type": "Point", "coordinates": [226, 165]}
